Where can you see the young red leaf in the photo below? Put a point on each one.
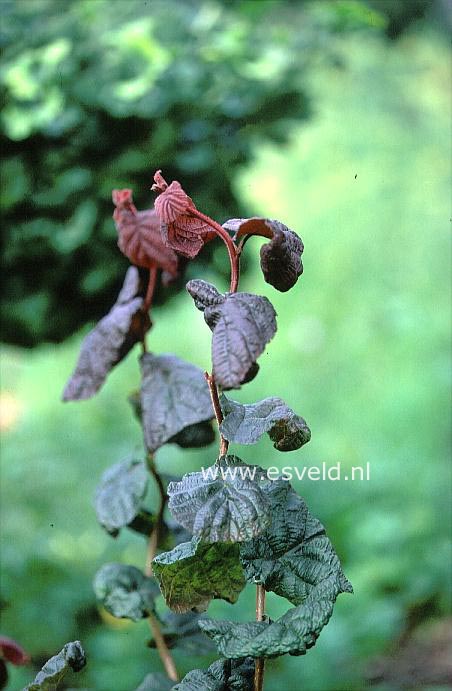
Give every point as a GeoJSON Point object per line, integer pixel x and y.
{"type": "Point", "coordinates": [110, 340]}
{"type": "Point", "coordinates": [180, 230]}
{"type": "Point", "coordinates": [13, 652]}
{"type": "Point", "coordinates": [281, 257]}
{"type": "Point", "coordinates": [139, 236]}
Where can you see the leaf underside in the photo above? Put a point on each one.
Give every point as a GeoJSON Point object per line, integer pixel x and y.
{"type": "Point", "coordinates": [174, 396]}
{"type": "Point", "coordinates": [222, 675]}
{"type": "Point", "coordinates": [296, 560]}
{"type": "Point", "coordinates": [125, 591]}
{"type": "Point", "coordinates": [120, 493]}
{"type": "Point", "coordinates": [194, 573]}
{"type": "Point", "coordinates": [110, 341]}
{"type": "Point", "coordinates": [71, 657]}
{"type": "Point", "coordinates": [242, 325]}
{"type": "Point", "coordinates": [246, 423]}
{"type": "Point", "coordinates": [222, 503]}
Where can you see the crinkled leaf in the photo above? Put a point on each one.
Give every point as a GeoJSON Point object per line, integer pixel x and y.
{"type": "Point", "coordinates": [246, 423]}
{"type": "Point", "coordinates": [72, 656]}
{"type": "Point", "coordinates": [296, 560]}
{"type": "Point", "coordinates": [110, 341]}
{"type": "Point", "coordinates": [125, 591]}
{"type": "Point", "coordinates": [281, 257]}
{"type": "Point", "coordinates": [222, 675]}
{"type": "Point", "coordinates": [120, 493]}
{"type": "Point", "coordinates": [174, 395]}
{"type": "Point", "coordinates": [182, 631]}
{"type": "Point", "coordinates": [181, 231]}
{"type": "Point", "coordinates": [139, 236]}
{"type": "Point", "coordinates": [223, 503]}
{"type": "Point", "coordinates": [194, 573]}
{"type": "Point", "coordinates": [13, 652]}
{"type": "Point", "coordinates": [242, 325]}
{"type": "Point", "coordinates": [156, 681]}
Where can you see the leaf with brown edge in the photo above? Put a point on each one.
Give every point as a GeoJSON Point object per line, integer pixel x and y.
{"type": "Point", "coordinates": [110, 340]}
{"type": "Point", "coordinates": [183, 232]}
{"type": "Point", "coordinates": [281, 257]}
{"type": "Point", "coordinates": [139, 236]}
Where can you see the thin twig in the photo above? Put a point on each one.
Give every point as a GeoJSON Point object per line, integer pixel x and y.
{"type": "Point", "coordinates": [153, 271]}
{"type": "Point", "coordinates": [155, 534]}
{"type": "Point", "coordinates": [162, 648]}
{"type": "Point", "coordinates": [260, 661]}
{"type": "Point", "coordinates": [232, 250]}
{"type": "Point", "coordinates": [224, 444]}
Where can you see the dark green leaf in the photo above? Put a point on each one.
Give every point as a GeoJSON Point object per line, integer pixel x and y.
{"type": "Point", "coordinates": [124, 591]}
{"type": "Point", "coordinates": [182, 631]}
{"type": "Point", "coordinates": [246, 423]}
{"type": "Point", "coordinates": [110, 341]}
{"type": "Point", "coordinates": [174, 395]}
{"type": "Point", "coordinates": [156, 681]}
{"type": "Point", "coordinates": [143, 523]}
{"type": "Point", "coordinates": [296, 560]}
{"type": "Point", "coordinates": [242, 325]}
{"type": "Point", "coordinates": [71, 657]}
{"type": "Point", "coordinates": [223, 503]}
{"type": "Point", "coordinates": [194, 573]}
{"type": "Point", "coordinates": [222, 675]}
{"type": "Point", "coordinates": [120, 493]}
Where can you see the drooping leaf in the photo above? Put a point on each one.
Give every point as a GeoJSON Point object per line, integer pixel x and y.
{"type": "Point", "coordinates": [155, 681]}
{"type": "Point", "coordinates": [194, 436]}
{"type": "Point", "coordinates": [125, 591]}
{"type": "Point", "coordinates": [181, 231]}
{"type": "Point", "coordinates": [222, 503]}
{"type": "Point", "coordinates": [296, 560]}
{"type": "Point", "coordinates": [181, 631]}
{"type": "Point", "coordinates": [222, 675]}
{"type": "Point", "coordinates": [246, 423]}
{"type": "Point", "coordinates": [71, 657]}
{"type": "Point", "coordinates": [242, 325]}
{"type": "Point", "coordinates": [110, 340]}
{"type": "Point", "coordinates": [13, 652]}
{"type": "Point", "coordinates": [174, 395]}
{"type": "Point", "coordinates": [194, 573]}
{"type": "Point", "coordinates": [120, 493]}
{"type": "Point", "coordinates": [281, 257]}
{"type": "Point", "coordinates": [139, 236]}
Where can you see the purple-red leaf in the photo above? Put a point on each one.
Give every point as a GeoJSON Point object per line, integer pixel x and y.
{"type": "Point", "coordinates": [281, 257]}
{"type": "Point", "coordinates": [181, 230]}
{"type": "Point", "coordinates": [242, 325]}
{"type": "Point", "coordinates": [110, 340]}
{"type": "Point", "coordinates": [13, 652]}
{"type": "Point", "coordinates": [139, 236]}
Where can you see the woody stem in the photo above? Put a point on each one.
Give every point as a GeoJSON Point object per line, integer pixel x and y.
{"type": "Point", "coordinates": [224, 444]}
{"type": "Point", "coordinates": [260, 661]}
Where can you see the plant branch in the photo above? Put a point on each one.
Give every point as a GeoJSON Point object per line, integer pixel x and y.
{"type": "Point", "coordinates": [151, 288]}
{"type": "Point", "coordinates": [162, 648]}
{"type": "Point", "coordinates": [260, 661]}
{"type": "Point", "coordinates": [232, 250]}
{"type": "Point", "coordinates": [156, 531]}
{"type": "Point", "coordinates": [224, 444]}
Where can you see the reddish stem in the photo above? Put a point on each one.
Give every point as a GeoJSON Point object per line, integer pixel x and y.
{"type": "Point", "coordinates": [224, 444]}
{"type": "Point", "coordinates": [260, 661]}
{"type": "Point", "coordinates": [232, 250]}
{"type": "Point", "coordinates": [151, 288]}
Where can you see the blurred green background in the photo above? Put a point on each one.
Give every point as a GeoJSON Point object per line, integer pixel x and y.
{"type": "Point", "coordinates": [330, 116]}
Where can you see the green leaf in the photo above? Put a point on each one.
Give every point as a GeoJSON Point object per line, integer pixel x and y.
{"type": "Point", "coordinates": [124, 591]}
{"type": "Point", "coordinates": [174, 395]}
{"type": "Point", "coordinates": [156, 681]}
{"type": "Point", "coordinates": [120, 493]}
{"type": "Point", "coordinates": [222, 503]}
{"type": "Point", "coordinates": [72, 656]}
{"type": "Point", "coordinates": [194, 573]}
{"type": "Point", "coordinates": [246, 423]}
{"type": "Point", "coordinates": [222, 675]}
{"type": "Point", "coordinates": [182, 631]}
{"type": "Point", "coordinates": [296, 560]}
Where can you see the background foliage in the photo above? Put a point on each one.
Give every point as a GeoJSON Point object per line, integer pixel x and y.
{"type": "Point", "coordinates": [362, 347]}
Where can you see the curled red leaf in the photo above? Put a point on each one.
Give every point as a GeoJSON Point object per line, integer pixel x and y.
{"type": "Point", "coordinates": [13, 652]}
{"type": "Point", "coordinates": [181, 230]}
{"type": "Point", "coordinates": [139, 236]}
